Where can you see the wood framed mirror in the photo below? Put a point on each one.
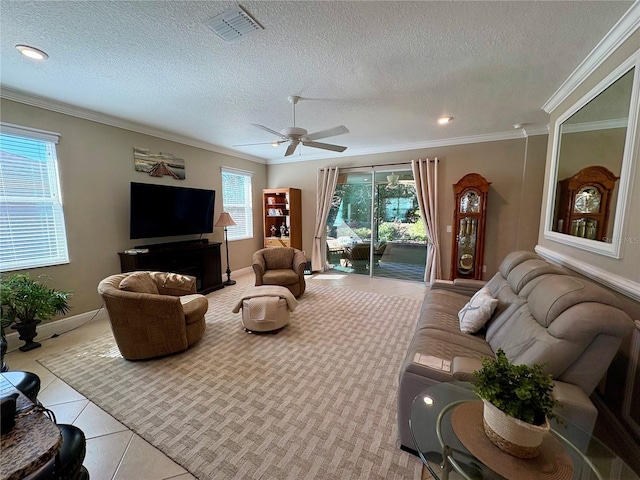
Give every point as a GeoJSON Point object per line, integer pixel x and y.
{"type": "Point", "coordinates": [592, 164]}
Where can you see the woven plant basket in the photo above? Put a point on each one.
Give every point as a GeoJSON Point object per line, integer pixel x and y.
{"type": "Point", "coordinates": [518, 438]}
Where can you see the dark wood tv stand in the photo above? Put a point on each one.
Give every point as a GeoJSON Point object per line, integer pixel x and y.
{"type": "Point", "coordinates": [199, 259]}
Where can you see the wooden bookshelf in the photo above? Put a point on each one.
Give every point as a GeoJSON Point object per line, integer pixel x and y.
{"type": "Point", "coordinates": [282, 217]}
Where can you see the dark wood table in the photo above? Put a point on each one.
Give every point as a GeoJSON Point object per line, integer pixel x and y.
{"type": "Point", "coordinates": [31, 443]}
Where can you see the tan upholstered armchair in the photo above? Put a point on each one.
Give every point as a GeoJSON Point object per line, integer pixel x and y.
{"type": "Point", "coordinates": [153, 313]}
{"type": "Point", "coordinates": [282, 266]}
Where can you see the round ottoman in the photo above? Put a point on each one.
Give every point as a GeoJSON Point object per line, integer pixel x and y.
{"type": "Point", "coordinates": [266, 308]}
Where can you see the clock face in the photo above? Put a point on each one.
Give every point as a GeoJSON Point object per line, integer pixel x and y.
{"type": "Point", "coordinates": [587, 200]}
{"type": "Point", "coordinates": [470, 202]}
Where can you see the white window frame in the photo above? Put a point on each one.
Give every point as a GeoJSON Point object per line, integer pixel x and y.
{"type": "Point", "coordinates": [26, 241]}
{"type": "Point", "coordinates": [244, 222]}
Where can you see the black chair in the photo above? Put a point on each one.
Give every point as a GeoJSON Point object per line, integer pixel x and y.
{"type": "Point", "coordinates": [67, 464]}
{"type": "Point", "coordinates": [28, 383]}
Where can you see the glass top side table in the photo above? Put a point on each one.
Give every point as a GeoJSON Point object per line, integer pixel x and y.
{"type": "Point", "coordinates": [442, 451]}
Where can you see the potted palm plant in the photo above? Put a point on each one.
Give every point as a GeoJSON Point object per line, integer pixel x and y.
{"type": "Point", "coordinates": [517, 404]}
{"type": "Point", "coordinates": [25, 302]}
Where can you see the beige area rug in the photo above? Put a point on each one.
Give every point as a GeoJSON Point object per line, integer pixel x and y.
{"type": "Point", "coordinates": [317, 400]}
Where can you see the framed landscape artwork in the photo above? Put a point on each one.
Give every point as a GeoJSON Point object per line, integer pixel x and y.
{"type": "Point", "coordinates": [158, 164]}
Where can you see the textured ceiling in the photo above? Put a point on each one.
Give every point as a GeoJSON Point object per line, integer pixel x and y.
{"type": "Point", "coordinates": [384, 69]}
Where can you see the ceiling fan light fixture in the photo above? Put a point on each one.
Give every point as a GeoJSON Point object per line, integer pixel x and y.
{"type": "Point", "coordinates": [445, 119]}
{"type": "Point", "coordinates": [32, 52]}
{"type": "Point", "coordinates": [392, 181]}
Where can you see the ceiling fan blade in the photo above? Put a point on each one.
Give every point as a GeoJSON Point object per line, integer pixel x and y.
{"type": "Point", "coordinates": [266, 129]}
{"type": "Point", "coordinates": [325, 146]}
{"type": "Point", "coordinates": [332, 132]}
{"type": "Point", "coordinates": [290, 149]}
{"type": "Point", "coordinates": [277, 142]}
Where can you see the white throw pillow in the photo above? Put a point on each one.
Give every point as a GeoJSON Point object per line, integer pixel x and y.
{"type": "Point", "coordinates": [475, 314]}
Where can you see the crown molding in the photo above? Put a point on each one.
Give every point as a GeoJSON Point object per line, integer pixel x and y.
{"type": "Point", "coordinates": [93, 116]}
{"type": "Point", "coordinates": [592, 126]}
{"type": "Point", "coordinates": [533, 131]}
{"type": "Point", "coordinates": [620, 32]}
{"type": "Point", "coordinates": [86, 114]}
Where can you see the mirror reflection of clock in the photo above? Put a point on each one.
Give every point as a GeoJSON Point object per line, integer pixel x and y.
{"type": "Point", "coordinates": [587, 200]}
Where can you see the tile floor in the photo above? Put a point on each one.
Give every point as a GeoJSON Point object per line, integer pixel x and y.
{"type": "Point", "coordinates": [115, 452]}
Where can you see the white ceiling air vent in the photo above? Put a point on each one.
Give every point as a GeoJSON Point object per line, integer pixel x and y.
{"type": "Point", "coordinates": [234, 25]}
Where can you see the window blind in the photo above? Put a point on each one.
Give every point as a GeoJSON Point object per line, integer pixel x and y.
{"type": "Point", "coordinates": [32, 229]}
{"type": "Point", "coordinates": [237, 201]}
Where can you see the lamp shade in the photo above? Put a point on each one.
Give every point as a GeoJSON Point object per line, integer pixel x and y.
{"type": "Point", "coordinates": [225, 220]}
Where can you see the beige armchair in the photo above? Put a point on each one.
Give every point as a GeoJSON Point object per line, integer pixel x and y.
{"type": "Point", "coordinates": [153, 313]}
{"type": "Point", "coordinates": [283, 266]}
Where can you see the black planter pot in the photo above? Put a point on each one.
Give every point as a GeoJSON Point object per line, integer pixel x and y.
{"type": "Point", "coordinates": [3, 350]}
{"type": "Point", "coordinates": [27, 333]}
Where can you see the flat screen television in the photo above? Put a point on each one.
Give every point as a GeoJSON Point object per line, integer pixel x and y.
{"type": "Point", "coordinates": [164, 211]}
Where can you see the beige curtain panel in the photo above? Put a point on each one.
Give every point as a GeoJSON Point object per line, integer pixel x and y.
{"type": "Point", "coordinates": [327, 178]}
{"type": "Point", "coordinates": [425, 174]}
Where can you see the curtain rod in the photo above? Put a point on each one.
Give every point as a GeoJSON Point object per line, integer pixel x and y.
{"type": "Point", "coordinates": [383, 164]}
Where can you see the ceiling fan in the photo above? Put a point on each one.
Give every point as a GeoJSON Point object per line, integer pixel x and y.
{"type": "Point", "coordinates": [296, 135]}
{"type": "Point", "coordinates": [393, 181]}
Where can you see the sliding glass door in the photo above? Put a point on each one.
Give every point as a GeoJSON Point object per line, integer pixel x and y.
{"type": "Point", "coordinates": [374, 226]}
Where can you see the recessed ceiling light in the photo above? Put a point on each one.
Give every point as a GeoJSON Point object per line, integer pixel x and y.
{"type": "Point", "coordinates": [444, 120]}
{"type": "Point", "coordinates": [31, 52]}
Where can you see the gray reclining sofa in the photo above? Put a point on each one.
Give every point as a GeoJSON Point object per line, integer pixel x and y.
{"type": "Point", "coordinates": [545, 314]}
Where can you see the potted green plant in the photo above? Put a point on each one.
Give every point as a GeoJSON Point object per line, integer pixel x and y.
{"type": "Point", "coordinates": [517, 404]}
{"type": "Point", "coordinates": [25, 302]}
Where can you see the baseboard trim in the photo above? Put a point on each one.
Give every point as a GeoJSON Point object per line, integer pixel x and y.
{"type": "Point", "coordinates": [240, 271]}
{"type": "Point", "coordinates": [48, 330]}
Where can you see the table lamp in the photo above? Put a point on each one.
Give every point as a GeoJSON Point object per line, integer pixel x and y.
{"type": "Point", "coordinates": [225, 221]}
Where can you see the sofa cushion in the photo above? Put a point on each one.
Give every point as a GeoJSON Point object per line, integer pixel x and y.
{"type": "Point", "coordinates": [528, 270]}
{"type": "Point", "coordinates": [560, 292]}
{"type": "Point", "coordinates": [440, 310]}
{"type": "Point", "coordinates": [280, 277]}
{"type": "Point", "coordinates": [514, 259]}
{"type": "Point", "coordinates": [139, 282]}
{"type": "Point", "coordinates": [477, 311]}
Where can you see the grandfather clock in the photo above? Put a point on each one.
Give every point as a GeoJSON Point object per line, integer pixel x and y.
{"type": "Point", "coordinates": [469, 220]}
